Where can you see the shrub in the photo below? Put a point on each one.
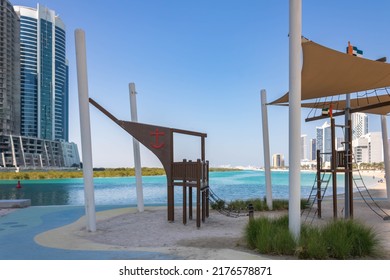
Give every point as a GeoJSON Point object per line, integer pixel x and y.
{"type": "Point", "coordinates": [342, 239]}
{"type": "Point", "coordinates": [349, 239]}
{"type": "Point", "coordinates": [311, 245]}
{"type": "Point", "coordinates": [270, 236]}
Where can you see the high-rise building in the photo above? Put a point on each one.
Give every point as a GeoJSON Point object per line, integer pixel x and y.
{"type": "Point", "coordinates": [313, 149]}
{"type": "Point", "coordinates": [304, 147]}
{"type": "Point", "coordinates": [277, 161]}
{"type": "Point", "coordinates": [368, 148]}
{"type": "Point", "coordinates": [44, 74]}
{"type": "Point", "coordinates": [324, 141]}
{"type": "Point", "coordinates": [359, 125]}
{"type": "Point", "coordinates": [33, 90]}
{"type": "Point", "coordinates": [9, 70]}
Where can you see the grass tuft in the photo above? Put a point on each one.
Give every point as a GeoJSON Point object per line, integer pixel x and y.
{"type": "Point", "coordinates": [342, 239]}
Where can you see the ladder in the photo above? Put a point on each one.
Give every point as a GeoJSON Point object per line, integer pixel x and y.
{"type": "Point", "coordinates": [309, 212]}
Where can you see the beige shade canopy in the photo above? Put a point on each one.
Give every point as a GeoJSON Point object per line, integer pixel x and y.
{"type": "Point", "coordinates": [327, 72]}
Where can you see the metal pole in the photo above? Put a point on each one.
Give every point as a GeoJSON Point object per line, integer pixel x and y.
{"type": "Point", "coordinates": [85, 127]}
{"type": "Point", "coordinates": [348, 157]}
{"type": "Point", "coordinates": [386, 154]}
{"type": "Point", "coordinates": [267, 164]}
{"type": "Point", "coordinates": [295, 49]}
{"type": "Point", "coordinates": [136, 150]}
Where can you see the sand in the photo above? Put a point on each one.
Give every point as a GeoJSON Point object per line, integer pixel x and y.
{"type": "Point", "coordinates": [219, 237]}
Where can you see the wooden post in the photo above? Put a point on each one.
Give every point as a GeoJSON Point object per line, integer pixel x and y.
{"type": "Point", "coordinates": [184, 203]}
{"type": "Point", "coordinates": [319, 213]}
{"type": "Point", "coordinates": [203, 205]}
{"type": "Point", "coordinates": [334, 167]}
{"type": "Point", "coordinates": [198, 204]}
{"type": "Point", "coordinates": [198, 194]}
{"type": "Point", "coordinates": [190, 203]}
{"type": "Point", "coordinates": [207, 190]}
{"type": "Point", "coordinates": [203, 169]}
{"type": "Point", "coordinates": [203, 149]}
{"type": "Point", "coordinates": [184, 194]}
{"type": "Point", "coordinates": [350, 167]}
{"type": "Point", "coordinates": [170, 187]}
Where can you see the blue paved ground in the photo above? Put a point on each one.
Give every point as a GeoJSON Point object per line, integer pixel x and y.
{"type": "Point", "coordinates": [18, 229]}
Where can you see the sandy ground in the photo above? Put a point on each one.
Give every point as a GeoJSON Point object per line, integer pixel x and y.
{"type": "Point", "coordinates": [219, 237]}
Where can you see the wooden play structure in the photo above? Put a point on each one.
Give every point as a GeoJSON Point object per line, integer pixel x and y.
{"type": "Point", "coordinates": [186, 174]}
{"type": "Point", "coordinates": [189, 175]}
{"type": "Point", "coordinates": [341, 161]}
{"type": "Point", "coordinates": [345, 83]}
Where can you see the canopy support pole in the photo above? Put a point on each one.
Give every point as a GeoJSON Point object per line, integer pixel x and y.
{"type": "Point", "coordinates": [85, 127]}
{"type": "Point", "coordinates": [267, 164]}
{"type": "Point", "coordinates": [386, 154]}
{"type": "Point", "coordinates": [136, 151]}
{"type": "Point", "coordinates": [295, 49]}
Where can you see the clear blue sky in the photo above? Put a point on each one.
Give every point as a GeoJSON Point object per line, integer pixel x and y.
{"type": "Point", "coordinates": [200, 65]}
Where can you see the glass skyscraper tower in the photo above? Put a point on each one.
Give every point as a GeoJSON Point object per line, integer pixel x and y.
{"type": "Point", "coordinates": [9, 70]}
{"type": "Point", "coordinates": [44, 74]}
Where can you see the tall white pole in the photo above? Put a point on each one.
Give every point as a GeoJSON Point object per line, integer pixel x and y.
{"type": "Point", "coordinates": [267, 164]}
{"type": "Point", "coordinates": [85, 127]}
{"type": "Point", "coordinates": [295, 116]}
{"type": "Point", "coordinates": [137, 155]}
{"type": "Point", "coordinates": [386, 154]}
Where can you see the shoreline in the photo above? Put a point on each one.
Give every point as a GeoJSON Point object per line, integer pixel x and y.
{"type": "Point", "coordinates": [17, 176]}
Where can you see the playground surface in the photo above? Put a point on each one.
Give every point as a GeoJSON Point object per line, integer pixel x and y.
{"type": "Point", "coordinates": [58, 233]}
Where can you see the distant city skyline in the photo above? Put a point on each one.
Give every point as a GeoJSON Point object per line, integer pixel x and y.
{"type": "Point", "coordinates": [367, 146]}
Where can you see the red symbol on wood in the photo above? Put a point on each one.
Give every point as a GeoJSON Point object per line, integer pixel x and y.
{"type": "Point", "coordinates": [157, 133]}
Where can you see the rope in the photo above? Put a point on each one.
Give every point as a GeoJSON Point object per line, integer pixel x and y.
{"type": "Point", "coordinates": [368, 193]}
{"type": "Point", "coordinates": [323, 102]}
{"type": "Point", "coordinates": [224, 210]}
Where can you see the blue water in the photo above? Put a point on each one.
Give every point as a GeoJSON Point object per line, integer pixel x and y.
{"type": "Point", "coordinates": [121, 191]}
